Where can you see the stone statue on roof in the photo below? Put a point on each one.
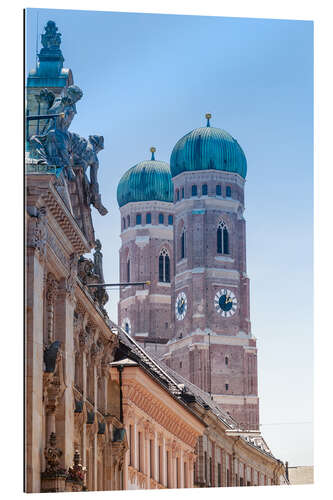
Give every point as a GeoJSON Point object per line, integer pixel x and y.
{"type": "Point", "coordinates": [53, 146]}
{"type": "Point", "coordinates": [85, 155]}
{"type": "Point", "coordinates": [51, 38]}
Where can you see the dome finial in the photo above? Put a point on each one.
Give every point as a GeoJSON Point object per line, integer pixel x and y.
{"type": "Point", "coordinates": [208, 116]}
{"type": "Point", "coordinates": [152, 150]}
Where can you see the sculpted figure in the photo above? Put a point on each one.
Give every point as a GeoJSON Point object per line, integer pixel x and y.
{"type": "Point", "coordinates": [85, 154]}
{"type": "Point", "coordinates": [53, 147]}
{"type": "Point", "coordinates": [98, 261]}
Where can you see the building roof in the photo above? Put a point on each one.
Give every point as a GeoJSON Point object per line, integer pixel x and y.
{"type": "Point", "coordinates": [180, 387]}
{"type": "Point", "coordinates": [148, 180]}
{"type": "Point", "coordinates": [208, 148]}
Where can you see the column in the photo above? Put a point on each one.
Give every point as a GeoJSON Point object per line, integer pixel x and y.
{"type": "Point", "coordinates": [156, 459]}
{"type": "Point", "coordinates": [181, 469]}
{"type": "Point", "coordinates": [33, 370]}
{"type": "Point", "coordinates": [64, 311]}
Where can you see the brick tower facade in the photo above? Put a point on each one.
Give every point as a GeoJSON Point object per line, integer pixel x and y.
{"type": "Point", "coordinates": [212, 345]}
{"type": "Point", "coordinates": [146, 252]}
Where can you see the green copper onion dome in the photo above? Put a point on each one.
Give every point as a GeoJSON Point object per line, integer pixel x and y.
{"type": "Point", "coordinates": [208, 148]}
{"type": "Point", "coordinates": [147, 181]}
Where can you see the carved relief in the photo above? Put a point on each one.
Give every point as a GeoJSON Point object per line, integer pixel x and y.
{"type": "Point", "coordinates": [71, 279]}
{"type": "Point", "coordinates": [53, 378]}
{"type": "Point", "coordinates": [37, 232]}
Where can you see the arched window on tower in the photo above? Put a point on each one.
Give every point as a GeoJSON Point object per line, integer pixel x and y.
{"type": "Point", "coordinates": [128, 221]}
{"type": "Point", "coordinates": [164, 266]}
{"type": "Point", "coordinates": [222, 239]}
{"type": "Point", "coordinates": [128, 271]}
{"type": "Point", "coordinates": [170, 220]}
{"type": "Point", "coordinates": [194, 190]}
{"type": "Point", "coordinates": [124, 223]}
{"type": "Point", "coordinates": [218, 190]}
{"type": "Point", "coordinates": [148, 218]}
{"type": "Point", "coordinates": [204, 190]}
{"type": "Point", "coordinates": [138, 219]}
{"type": "Point", "coordinates": [228, 192]}
{"type": "Point", "coordinates": [183, 192]}
{"type": "Point", "coordinates": [177, 194]}
{"type": "Point", "coordinates": [183, 244]}
{"type": "Point", "coordinates": [160, 218]}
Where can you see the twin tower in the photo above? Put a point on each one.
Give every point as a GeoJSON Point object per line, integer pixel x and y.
{"type": "Point", "coordinates": [183, 230]}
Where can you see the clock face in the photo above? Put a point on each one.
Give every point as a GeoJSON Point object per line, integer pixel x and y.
{"type": "Point", "coordinates": [225, 303]}
{"type": "Point", "coordinates": [181, 306]}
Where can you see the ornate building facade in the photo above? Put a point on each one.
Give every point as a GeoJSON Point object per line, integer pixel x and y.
{"type": "Point", "coordinates": [101, 412]}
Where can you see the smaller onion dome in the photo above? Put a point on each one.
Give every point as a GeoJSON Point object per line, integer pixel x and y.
{"type": "Point", "coordinates": [147, 181]}
{"type": "Point", "coordinates": [208, 148]}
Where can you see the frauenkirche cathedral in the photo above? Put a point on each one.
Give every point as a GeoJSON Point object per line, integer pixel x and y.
{"type": "Point", "coordinates": [183, 230]}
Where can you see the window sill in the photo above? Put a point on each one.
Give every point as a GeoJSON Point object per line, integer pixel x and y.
{"type": "Point", "coordinates": [224, 258]}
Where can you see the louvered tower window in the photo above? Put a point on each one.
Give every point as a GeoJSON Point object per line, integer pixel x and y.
{"type": "Point", "coordinates": [164, 266]}
{"type": "Point", "coordinates": [222, 239]}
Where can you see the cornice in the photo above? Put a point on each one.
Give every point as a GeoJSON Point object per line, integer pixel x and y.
{"type": "Point", "coordinates": [45, 194]}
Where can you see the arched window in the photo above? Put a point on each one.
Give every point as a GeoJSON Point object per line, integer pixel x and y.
{"type": "Point", "coordinates": [128, 271]}
{"type": "Point", "coordinates": [204, 190]}
{"type": "Point", "coordinates": [226, 360]}
{"type": "Point", "coordinates": [228, 192]}
{"type": "Point", "coordinates": [124, 223]}
{"type": "Point", "coordinates": [148, 218]}
{"type": "Point", "coordinates": [128, 221]}
{"type": "Point", "coordinates": [177, 194]}
{"type": "Point", "coordinates": [164, 266]}
{"type": "Point", "coordinates": [194, 190]}
{"type": "Point", "coordinates": [222, 238]}
{"type": "Point", "coordinates": [183, 192]}
{"type": "Point", "coordinates": [218, 190]}
{"type": "Point", "coordinates": [160, 218]}
{"type": "Point", "coordinates": [183, 244]}
{"type": "Point", "coordinates": [138, 219]}
{"type": "Point", "coordinates": [170, 220]}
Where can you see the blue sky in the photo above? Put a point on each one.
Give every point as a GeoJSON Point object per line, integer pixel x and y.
{"type": "Point", "coordinates": [147, 80]}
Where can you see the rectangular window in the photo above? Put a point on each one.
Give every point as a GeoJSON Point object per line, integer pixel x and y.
{"type": "Point", "coordinates": [128, 271]}
{"type": "Point", "coordinates": [177, 473]}
{"type": "Point", "coordinates": [148, 218]}
{"type": "Point", "coordinates": [167, 470]}
{"type": "Point", "coordinates": [228, 192]}
{"type": "Point", "coordinates": [204, 190]}
{"type": "Point", "coordinates": [228, 478]}
{"type": "Point", "coordinates": [194, 190]}
{"type": "Point", "coordinates": [218, 190]}
{"type": "Point", "coordinates": [182, 246]}
{"type": "Point", "coordinates": [160, 218]}
{"type": "Point", "coordinates": [159, 464]}
{"type": "Point", "coordinates": [139, 452]}
{"type": "Point", "coordinates": [219, 475]}
{"type": "Point", "coordinates": [183, 192]}
{"type": "Point", "coordinates": [226, 387]}
{"type": "Point", "coordinates": [241, 481]}
{"type": "Point", "coordinates": [170, 220]}
{"type": "Point", "coordinates": [130, 443]}
{"type": "Point", "coordinates": [138, 219]}
{"type": "Point", "coordinates": [151, 457]}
